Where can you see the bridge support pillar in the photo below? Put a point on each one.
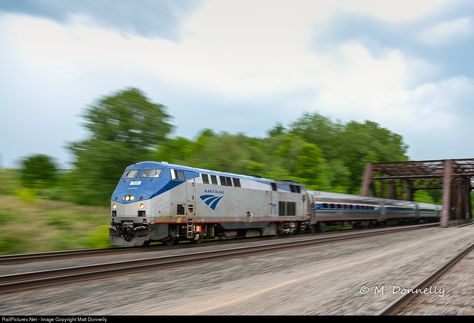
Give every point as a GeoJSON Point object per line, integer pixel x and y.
{"type": "Point", "coordinates": [410, 190]}
{"type": "Point", "coordinates": [447, 183]}
{"type": "Point", "coordinates": [367, 182]}
{"type": "Point", "coordinates": [392, 190]}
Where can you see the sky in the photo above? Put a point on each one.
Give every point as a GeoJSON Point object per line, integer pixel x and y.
{"type": "Point", "coordinates": [239, 66]}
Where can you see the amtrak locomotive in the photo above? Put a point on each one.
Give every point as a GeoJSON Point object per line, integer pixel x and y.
{"type": "Point", "coordinates": [163, 202]}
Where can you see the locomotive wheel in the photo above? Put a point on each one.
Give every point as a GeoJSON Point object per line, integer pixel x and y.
{"type": "Point", "coordinates": [197, 241]}
{"type": "Point", "coordinates": [170, 242]}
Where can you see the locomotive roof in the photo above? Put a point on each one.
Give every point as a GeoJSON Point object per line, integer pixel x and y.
{"type": "Point", "coordinates": [212, 172]}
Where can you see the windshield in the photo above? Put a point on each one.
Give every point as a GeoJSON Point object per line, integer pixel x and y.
{"type": "Point", "coordinates": [131, 173]}
{"type": "Point", "coordinates": [151, 173]}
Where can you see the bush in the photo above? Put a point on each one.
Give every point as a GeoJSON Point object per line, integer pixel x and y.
{"type": "Point", "coordinates": [26, 194]}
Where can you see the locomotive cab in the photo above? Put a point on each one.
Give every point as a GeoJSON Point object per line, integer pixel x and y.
{"type": "Point", "coordinates": [131, 207]}
{"type": "Point", "coordinates": [148, 197]}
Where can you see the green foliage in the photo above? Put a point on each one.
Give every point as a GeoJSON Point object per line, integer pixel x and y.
{"type": "Point", "coordinates": [9, 181]}
{"type": "Point", "coordinates": [4, 218]}
{"type": "Point", "coordinates": [43, 225]}
{"type": "Point", "coordinates": [99, 238]}
{"type": "Point", "coordinates": [124, 128]}
{"type": "Point", "coordinates": [423, 196]}
{"type": "Point", "coordinates": [11, 244]}
{"type": "Point", "coordinates": [38, 171]}
{"type": "Point", "coordinates": [58, 220]}
{"type": "Point", "coordinates": [368, 143]}
{"type": "Point", "coordinates": [320, 153]}
{"type": "Point", "coordinates": [348, 148]}
{"type": "Point", "coordinates": [319, 130]}
{"type": "Point", "coordinates": [26, 194]}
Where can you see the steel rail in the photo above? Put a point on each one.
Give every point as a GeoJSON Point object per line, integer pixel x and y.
{"type": "Point", "coordinates": [464, 224]}
{"type": "Point", "coordinates": [58, 255]}
{"type": "Point", "coordinates": [43, 256]}
{"type": "Point", "coordinates": [44, 278]}
{"type": "Point", "coordinates": [399, 304]}
{"type": "Point", "coordinates": [68, 254]}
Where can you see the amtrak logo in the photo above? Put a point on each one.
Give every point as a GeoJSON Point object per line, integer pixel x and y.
{"type": "Point", "coordinates": [211, 200]}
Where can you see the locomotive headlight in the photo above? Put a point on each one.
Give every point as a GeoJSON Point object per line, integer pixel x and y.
{"type": "Point", "coordinates": [141, 206]}
{"type": "Point", "coordinates": [127, 197]}
{"type": "Point", "coordinates": [132, 197]}
{"type": "Point", "coordinates": [114, 206]}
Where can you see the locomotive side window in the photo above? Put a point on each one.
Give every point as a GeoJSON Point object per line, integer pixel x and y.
{"type": "Point", "coordinates": [274, 186]}
{"type": "Point", "coordinates": [133, 173]}
{"type": "Point", "coordinates": [286, 208]}
{"type": "Point", "coordinates": [290, 208]}
{"type": "Point", "coordinates": [281, 208]}
{"type": "Point", "coordinates": [177, 175]}
{"type": "Point", "coordinates": [151, 173]}
{"type": "Point", "coordinates": [180, 176]}
{"type": "Point", "coordinates": [298, 189]}
{"type": "Point", "coordinates": [229, 181]}
{"type": "Point", "coordinates": [236, 182]}
{"type": "Point", "coordinates": [223, 180]}
{"type": "Point", "coordinates": [214, 179]}
{"type": "Point", "coordinates": [205, 178]}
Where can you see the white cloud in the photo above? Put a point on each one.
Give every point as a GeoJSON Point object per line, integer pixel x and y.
{"type": "Point", "coordinates": [388, 10]}
{"type": "Point", "coordinates": [241, 48]}
{"type": "Point", "coordinates": [250, 50]}
{"type": "Point", "coordinates": [448, 32]}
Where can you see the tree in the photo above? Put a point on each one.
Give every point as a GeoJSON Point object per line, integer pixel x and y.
{"type": "Point", "coordinates": [277, 130]}
{"type": "Point", "coordinates": [362, 143]}
{"type": "Point", "coordinates": [311, 167]}
{"type": "Point", "coordinates": [38, 171]}
{"type": "Point", "coordinates": [347, 148]}
{"type": "Point", "coordinates": [318, 130]}
{"type": "Point", "coordinates": [124, 128]}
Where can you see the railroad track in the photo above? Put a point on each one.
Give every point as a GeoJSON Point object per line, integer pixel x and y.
{"type": "Point", "coordinates": [61, 255]}
{"type": "Point", "coordinates": [70, 254]}
{"type": "Point", "coordinates": [29, 280]}
{"type": "Point", "coordinates": [56, 255]}
{"type": "Point", "coordinates": [397, 307]}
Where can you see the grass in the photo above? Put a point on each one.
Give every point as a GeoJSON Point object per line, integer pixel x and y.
{"type": "Point", "coordinates": [36, 225]}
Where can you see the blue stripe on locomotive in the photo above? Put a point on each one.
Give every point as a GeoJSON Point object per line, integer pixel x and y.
{"type": "Point", "coordinates": [149, 186]}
